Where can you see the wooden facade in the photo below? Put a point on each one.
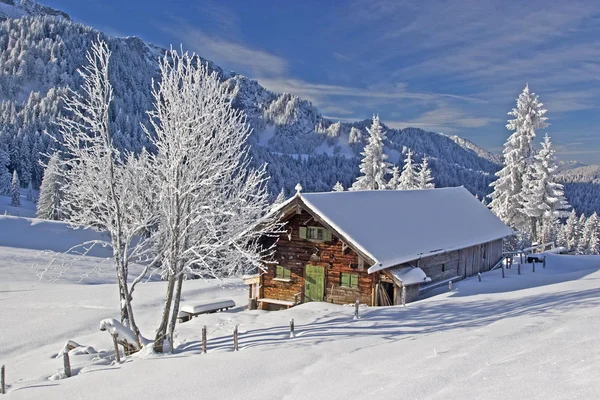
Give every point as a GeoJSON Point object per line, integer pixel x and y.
{"type": "Point", "coordinates": [332, 258]}
{"type": "Point", "coordinates": [332, 270]}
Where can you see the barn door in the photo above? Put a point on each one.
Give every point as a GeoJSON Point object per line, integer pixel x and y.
{"type": "Point", "coordinates": [314, 283]}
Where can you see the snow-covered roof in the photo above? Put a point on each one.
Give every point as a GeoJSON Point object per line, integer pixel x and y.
{"type": "Point", "coordinates": [396, 226]}
{"type": "Point", "coordinates": [409, 275]}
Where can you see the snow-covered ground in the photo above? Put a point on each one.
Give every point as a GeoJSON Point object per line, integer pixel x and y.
{"type": "Point", "coordinates": [26, 209]}
{"type": "Point", "coordinates": [529, 336]}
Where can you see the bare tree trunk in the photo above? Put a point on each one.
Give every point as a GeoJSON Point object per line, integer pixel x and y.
{"type": "Point", "coordinates": [164, 322]}
{"type": "Point", "coordinates": [175, 311]}
{"type": "Point", "coordinates": [128, 308]}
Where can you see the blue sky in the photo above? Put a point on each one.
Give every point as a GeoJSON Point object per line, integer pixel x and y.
{"type": "Point", "coordinates": [446, 66]}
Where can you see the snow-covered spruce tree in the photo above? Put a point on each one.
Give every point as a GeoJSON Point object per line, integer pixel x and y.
{"type": "Point", "coordinates": [409, 178]}
{"type": "Point", "coordinates": [425, 177]}
{"type": "Point", "coordinates": [338, 187]}
{"type": "Point", "coordinates": [212, 207]}
{"type": "Point", "coordinates": [15, 190]}
{"type": "Point", "coordinates": [373, 166]}
{"type": "Point", "coordinates": [102, 187]}
{"type": "Point", "coordinates": [569, 232]}
{"type": "Point", "coordinates": [394, 182]}
{"type": "Point", "coordinates": [507, 196]}
{"type": "Point", "coordinates": [5, 178]}
{"type": "Point", "coordinates": [51, 191]}
{"type": "Point", "coordinates": [588, 244]}
{"type": "Point", "coordinates": [543, 198]}
{"type": "Point", "coordinates": [30, 194]}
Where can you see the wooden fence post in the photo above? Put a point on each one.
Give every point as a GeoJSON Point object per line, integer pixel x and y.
{"type": "Point", "coordinates": [3, 380]}
{"type": "Point", "coordinates": [116, 344]}
{"type": "Point", "coordinates": [533, 265]}
{"type": "Point", "coordinates": [204, 339]}
{"type": "Point", "coordinates": [292, 334]}
{"type": "Point", "coordinates": [235, 338]}
{"type": "Point", "coordinates": [479, 276]}
{"type": "Point", "coordinates": [544, 262]}
{"type": "Point", "coordinates": [503, 270]}
{"type": "Point", "coordinates": [67, 364]}
{"type": "Point", "coordinates": [356, 309]}
{"type": "Point", "coordinates": [519, 268]}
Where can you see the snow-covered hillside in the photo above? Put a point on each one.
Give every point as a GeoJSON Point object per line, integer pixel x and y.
{"type": "Point", "coordinates": [582, 187]}
{"type": "Point", "coordinates": [526, 336]}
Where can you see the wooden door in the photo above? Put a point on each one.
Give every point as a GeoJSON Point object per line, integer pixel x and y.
{"type": "Point", "coordinates": [314, 283]}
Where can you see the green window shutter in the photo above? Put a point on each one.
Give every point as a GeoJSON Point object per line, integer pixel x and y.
{"type": "Point", "coordinates": [345, 279]}
{"type": "Point", "coordinates": [278, 271]}
{"type": "Point", "coordinates": [354, 280]}
{"type": "Point", "coordinates": [326, 235]}
{"type": "Point", "coordinates": [287, 273]}
{"type": "Point", "coordinates": [302, 232]}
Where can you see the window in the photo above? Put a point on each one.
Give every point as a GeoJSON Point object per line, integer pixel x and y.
{"type": "Point", "coordinates": [315, 233]}
{"type": "Point", "coordinates": [349, 280]}
{"type": "Point", "coordinates": [283, 273]}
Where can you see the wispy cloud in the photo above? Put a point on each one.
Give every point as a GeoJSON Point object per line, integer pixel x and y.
{"type": "Point", "coordinates": [444, 118]}
{"type": "Point", "coordinates": [317, 90]}
{"type": "Point", "coordinates": [230, 54]}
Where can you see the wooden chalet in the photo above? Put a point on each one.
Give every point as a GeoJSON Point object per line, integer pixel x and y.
{"type": "Point", "coordinates": [380, 247]}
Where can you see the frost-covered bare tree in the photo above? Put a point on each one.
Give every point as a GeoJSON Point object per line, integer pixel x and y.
{"type": "Point", "coordinates": [104, 189]}
{"type": "Point", "coordinates": [212, 206]}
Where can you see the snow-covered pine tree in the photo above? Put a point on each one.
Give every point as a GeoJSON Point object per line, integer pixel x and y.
{"type": "Point", "coordinates": [568, 235]}
{"type": "Point", "coordinates": [507, 196]}
{"type": "Point", "coordinates": [425, 177]}
{"type": "Point", "coordinates": [409, 178]}
{"type": "Point", "coordinates": [355, 135]}
{"type": "Point", "coordinates": [338, 187]}
{"type": "Point", "coordinates": [580, 225]}
{"type": "Point", "coordinates": [5, 178]}
{"type": "Point", "coordinates": [280, 197]}
{"type": "Point", "coordinates": [581, 243]}
{"type": "Point", "coordinates": [394, 182]}
{"type": "Point", "coordinates": [594, 235]}
{"type": "Point", "coordinates": [373, 166]}
{"type": "Point", "coordinates": [210, 199]}
{"type": "Point", "coordinates": [51, 191]}
{"type": "Point", "coordinates": [548, 230]}
{"type": "Point", "coordinates": [543, 198]}
{"type": "Point", "coordinates": [589, 237]}
{"type": "Point", "coordinates": [30, 194]}
{"type": "Point", "coordinates": [15, 190]}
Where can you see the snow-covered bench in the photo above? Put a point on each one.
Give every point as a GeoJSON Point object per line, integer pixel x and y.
{"type": "Point", "coordinates": [188, 311]}
{"type": "Point", "coordinates": [278, 302]}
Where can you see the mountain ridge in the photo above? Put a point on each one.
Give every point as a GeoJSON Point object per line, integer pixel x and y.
{"type": "Point", "coordinates": [289, 133]}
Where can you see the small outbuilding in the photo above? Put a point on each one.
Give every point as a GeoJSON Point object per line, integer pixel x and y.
{"type": "Point", "coordinates": [381, 247]}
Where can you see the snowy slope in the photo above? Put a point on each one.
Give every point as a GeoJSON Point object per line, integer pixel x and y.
{"type": "Point", "coordinates": [26, 209]}
{"type": "Point", "coordinates": [39, 234]}
{"type": "Point", "coordinates": [527, 336]}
